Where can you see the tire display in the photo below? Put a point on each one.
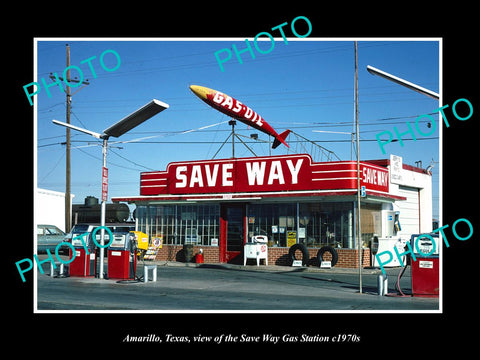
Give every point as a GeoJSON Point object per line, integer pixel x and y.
{"type": "Point", "coordinates": [303, 249]}
{"type": "Point", "coordinates": [325, 249]}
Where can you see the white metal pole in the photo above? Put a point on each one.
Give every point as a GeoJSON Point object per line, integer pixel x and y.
{"type": "Point", "coordinates": [102, 215]}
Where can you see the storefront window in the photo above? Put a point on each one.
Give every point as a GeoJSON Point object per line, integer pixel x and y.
{"type": "Point", "coordinates": [371, 223]}
{"type": "Point", "coordinates": [276, 221]}
{"type": "Point", "coordinates": [314, 224]}
{"type": "Point", "coordinates": [198, 224]}
{"type": "Point", "coordinates": [324, 223]}
{"type": "Point", "coordinates": [319, 223]}
{"type": "Point", "coordinates": [180, 224]}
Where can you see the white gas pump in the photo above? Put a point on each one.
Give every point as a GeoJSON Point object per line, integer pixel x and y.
{"type": "Point", "coordinates": [390, 220]}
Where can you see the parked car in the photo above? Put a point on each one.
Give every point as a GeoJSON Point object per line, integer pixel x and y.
{"type": "Point", "coordinates": [48, 237]}
{"type": "Point", "coordinates": [79, 229]}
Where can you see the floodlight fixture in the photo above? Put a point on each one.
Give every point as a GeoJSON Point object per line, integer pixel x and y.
{"type": "Point", "coordinates": [400, 81]}
{"type": "Point", "coordinates": [93, 133]}
{"type": "Point", "coordinates": [126, 124]}
{"type": "Point", "coordinates": [136, 118]}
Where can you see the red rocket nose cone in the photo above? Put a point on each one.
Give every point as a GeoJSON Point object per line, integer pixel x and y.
{"type": "Point", "coordinates": [200, 91]}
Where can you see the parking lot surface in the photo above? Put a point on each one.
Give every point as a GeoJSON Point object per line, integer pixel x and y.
{"type": "Point", "coordinates": [223, 287]}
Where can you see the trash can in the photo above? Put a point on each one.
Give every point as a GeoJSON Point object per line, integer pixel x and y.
{"type": "Point", "coordinates": [188, 252]}
{"type": "Point", "coordinates": [199, 257]}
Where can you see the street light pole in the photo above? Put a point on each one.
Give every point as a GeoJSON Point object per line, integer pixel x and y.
{"type": "Point", "coordinates": [103, 209]}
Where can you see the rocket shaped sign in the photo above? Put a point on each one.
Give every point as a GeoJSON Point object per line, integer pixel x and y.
{"type": "Point", "coordinates": [235, 109]}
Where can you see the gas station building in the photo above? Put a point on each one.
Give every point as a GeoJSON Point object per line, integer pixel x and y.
{"type": "Point", "coordinates": [218, 205]}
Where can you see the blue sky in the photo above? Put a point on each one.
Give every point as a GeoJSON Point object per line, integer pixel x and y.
{"type": "Point", "coordinates": [305, 85]}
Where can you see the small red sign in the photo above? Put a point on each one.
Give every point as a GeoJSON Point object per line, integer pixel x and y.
{"type": "Point", "coordinates": [104, 184]}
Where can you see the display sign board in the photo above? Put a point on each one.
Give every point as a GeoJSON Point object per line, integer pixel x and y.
{"type": "Point", "coordinates": [326, 265]}
{"type": "Point", "coordinates": [104, 184]}
{"type": "Point", "coordinates": [262, 174]}
{"type": "Point", "coordinates": [291, 238]}
{"type": "Point", "coordinates": [396, 169]}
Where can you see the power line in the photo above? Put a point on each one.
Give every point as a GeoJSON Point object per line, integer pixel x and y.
{"type": "Point", "coordinates": [255, 142]}
{"type": "Point", "coordinates": [130, 161]}
{"type": "Point", "coordinates": [273, 96]}
{"type": "Point", "coordinates": [109, 163]}
{"type": "Point", "coordinates": [204, 129]}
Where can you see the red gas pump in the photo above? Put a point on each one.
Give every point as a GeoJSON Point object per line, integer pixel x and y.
{"type": "Point", "coordinates": [84, 263]}
{"type": "Point", "coordinates": [122, 262]}
{"type": "Point", "coordinates": [426, 266]}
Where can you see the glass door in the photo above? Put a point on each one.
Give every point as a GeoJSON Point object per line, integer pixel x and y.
{"type": "Point", "coordinates": [233, 232]}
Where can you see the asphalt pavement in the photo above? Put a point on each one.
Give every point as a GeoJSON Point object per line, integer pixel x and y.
{"type": "Point", "coordinates": [188, 287]}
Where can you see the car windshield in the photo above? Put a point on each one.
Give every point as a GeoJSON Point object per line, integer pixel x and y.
{"type": "Point", "coordinates": [80, 228]}
{"type": "Point", "coordinates": [52, 230]}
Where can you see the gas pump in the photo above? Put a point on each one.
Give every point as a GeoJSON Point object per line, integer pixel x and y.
{"type": "Point", "coordinates": [425, 266]}
{"type": "Point", "coordinates": [84, 263]}
{"type": "Point", "coordinates": [122, 262]}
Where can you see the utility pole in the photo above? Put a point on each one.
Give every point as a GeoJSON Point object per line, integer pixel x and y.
{"type": "Point", "coordinates": [359, 233]}
{"type": "Point", "coordinates": [68, 197]}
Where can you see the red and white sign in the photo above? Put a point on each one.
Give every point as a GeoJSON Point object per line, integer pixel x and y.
{"type": "Point", "coordinates": [104, 184]}
{"type": "Point", "coordinates": [286, 173]}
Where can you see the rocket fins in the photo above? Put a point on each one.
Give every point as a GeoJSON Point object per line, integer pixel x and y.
{"type": "Point", "coordinates": [281, 139]}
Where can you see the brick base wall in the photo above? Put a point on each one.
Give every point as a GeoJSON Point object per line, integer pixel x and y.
{"type": "Point", "coordinates": [347, 258]}
{"type": "Point", "coordinates": [211, 254]}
